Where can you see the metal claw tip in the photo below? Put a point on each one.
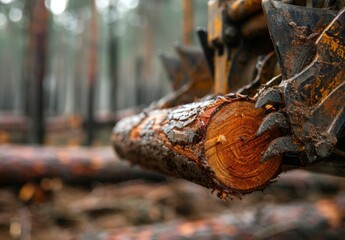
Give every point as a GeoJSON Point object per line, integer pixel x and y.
{"type": "Point", "coordinates": [171, 64]}
{"type": "Point", "coordinates": [279, 146]}
{"type": "Point", "coordinates": [273, 120]}
{"type": "Point", "coordinates": [270, 96]}
{"type": "Point", "coordinates": [189, 55]}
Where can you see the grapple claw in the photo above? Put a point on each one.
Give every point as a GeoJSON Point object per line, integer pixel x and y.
{"type": "Point", "coordinates": [270, 96]}
{"type": "Point", "coordinates": [174, 70]}
{"type": "Point", "coordinates": [207, 50]}
{"type": "Point", "coordinates": [189, 56]}
{"type": "Point", "coordinates": [273, 120]}
{"type": "Point", "coordinates": [280, 146]}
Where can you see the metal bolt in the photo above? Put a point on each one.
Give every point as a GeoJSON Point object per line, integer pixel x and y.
{"type": "Point", "coordinates": [324, 148]}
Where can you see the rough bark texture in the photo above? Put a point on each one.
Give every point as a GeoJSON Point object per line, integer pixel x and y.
{"type": "Point", "coordinates": [212, 143]}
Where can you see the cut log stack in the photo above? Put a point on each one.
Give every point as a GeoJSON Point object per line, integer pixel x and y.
{"type": "Point", "coordinates": [212, 143]}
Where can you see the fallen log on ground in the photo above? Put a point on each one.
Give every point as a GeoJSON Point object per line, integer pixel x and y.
{"type": "Point", "coordinates": [20, 164]}
{"type": "Point", "coordinates": [323, 219]}
{"type": "Point", "coordinates": [212, 143]}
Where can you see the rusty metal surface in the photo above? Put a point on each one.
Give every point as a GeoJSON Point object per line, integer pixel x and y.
{"type": "Point", "coordinates": [237, 44]}
{"type": "Point", "coordinates": [221, 62]}
{"type": "Point", "coordinates": [197, 80]}
{"type": "Point", "coordinates": [216, 14]}
{"type": "Point", "coordinates": [207, 50]}
{"type": "Point", "coordinates": [266, 69]}
{"type": "Point", "coordinates": [175, 71]}
{"type": "Point", "coordinates": [245, 62]}
{"type": "Point", "coordinates": [294, 30]}
{"type": "Point", "coordinates": [320, 88]}
{"type": "Point", "coordinates": [215, 23]}
{"type": "Point", "coordinates": [240, 9]}
{"type": "Point", "coordinates": [313, 97]}
{"type": "Point", "coordinates": [255, 26]}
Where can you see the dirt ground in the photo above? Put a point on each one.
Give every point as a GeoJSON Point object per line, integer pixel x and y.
{"type": "Point", "coordinates": [52, 209]}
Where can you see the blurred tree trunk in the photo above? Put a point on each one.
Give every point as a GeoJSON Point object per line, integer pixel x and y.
{"type": "Point", "coordinates": [36, 68]}
{"type": "Point", "coordinates": [139, 93]}
{"type": "Point", "coordinates": [145, 65]}
{"type": "Point", "coordinates": [188, 22]}
{"type": "Point", "coordinates": [113, 58]}
{"type": "Point", "coordinates": [92, 72]}
{"type": "Point", "coordinates": [145, 87]}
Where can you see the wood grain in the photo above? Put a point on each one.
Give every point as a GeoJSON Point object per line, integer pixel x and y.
{"type": "Point", "coordinates": [233, 150]}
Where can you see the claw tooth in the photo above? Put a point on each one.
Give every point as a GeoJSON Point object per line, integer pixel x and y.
{"type": "Point", "coordinates": [271, 96]}
{"type": "Point", "coordinates": [172, 65]}
{"type": "Point", "coordinates": [273, 120]}
{"type": "Point", "coordinates": [279, 146]}
{"type": "Point", "coordinates": [207, 50]}
{"type": "Point", "coordinates": [190, 56]}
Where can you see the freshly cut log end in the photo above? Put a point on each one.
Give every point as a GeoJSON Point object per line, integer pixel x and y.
{"type": "Point", "coordinates": [212, 143]}
{"type": "Point", "coordinates": [233, 150]}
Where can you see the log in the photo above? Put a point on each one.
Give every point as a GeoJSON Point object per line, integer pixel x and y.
{"type": "Point", "coordinates": [77, 165]}
{"type": "Point", "coordinates": [323, 219]}
{"type": "Point", "coordinates": [212, 143]}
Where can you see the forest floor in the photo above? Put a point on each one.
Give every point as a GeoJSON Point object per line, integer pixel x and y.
{"type": "Point", "coordinates": [56, 210]}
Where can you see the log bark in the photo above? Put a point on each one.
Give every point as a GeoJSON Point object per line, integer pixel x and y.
{"type": "Point", "coordinates": [212, 143]}
{"type": "Point", "coordinates": [77, 165]}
